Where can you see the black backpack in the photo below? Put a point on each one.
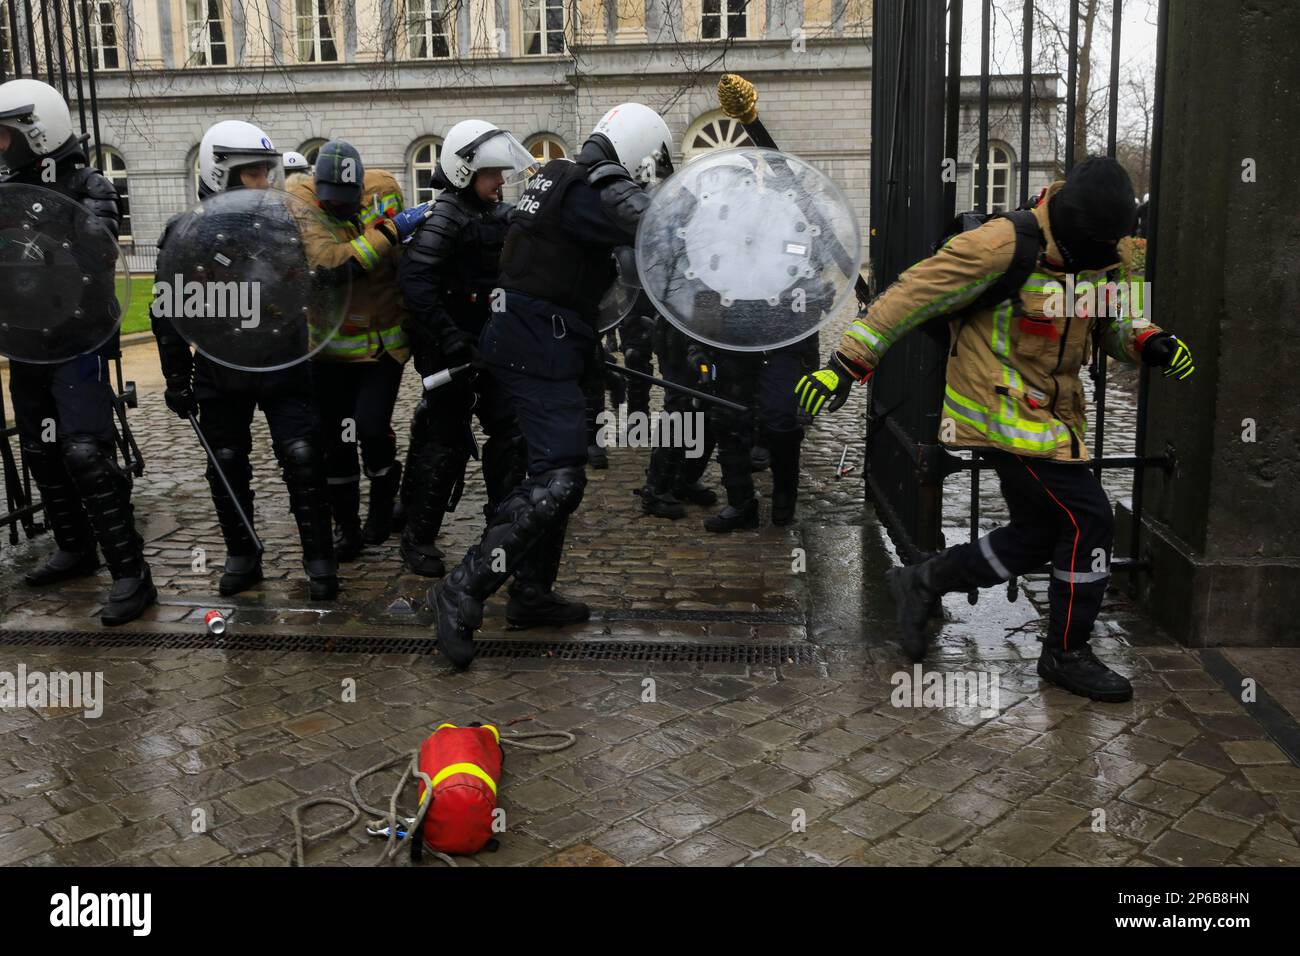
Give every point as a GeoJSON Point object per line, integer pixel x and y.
{"type": "Point", "coordinates": [1029, 243]}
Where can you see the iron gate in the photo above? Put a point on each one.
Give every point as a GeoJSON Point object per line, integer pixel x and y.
{"type": "Point", "coordinates": [915, 125]}
{"type": "Point", "coordinates": [50, 40]}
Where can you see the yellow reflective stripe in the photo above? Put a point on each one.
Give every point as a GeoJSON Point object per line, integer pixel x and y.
{"type": "Point", "coordinates": [940, 306]}
{"type": "Point", "coordinates": [864, 334]}
{"type": "Point", "coordinates": [365, 252]}
{"type": "Point", "coordinates": [495, 733]}
{"type": "Point", "coordinates": [1011, 431]}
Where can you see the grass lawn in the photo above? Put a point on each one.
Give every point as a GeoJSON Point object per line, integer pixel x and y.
{"type": "Point", "coordinates": [136, 318]}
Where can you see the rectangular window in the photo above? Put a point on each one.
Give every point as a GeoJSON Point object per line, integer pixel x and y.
{"type": "Point", "coordinates": [315, 31]}
{"type": "Point", "coordinates": [103, 35]}
{"type": "Point", "coordinates": [715, 24]}
{"type": "Point", "coordinates": [426, 30]}
{"type": "Point", "coordinates": [543, 27]}
{"type": "Point", "coordinates": [206, 30]}
{"type": "Point", "coordinates": [6, 52]}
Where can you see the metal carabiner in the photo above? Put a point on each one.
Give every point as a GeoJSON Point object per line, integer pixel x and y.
{"type": "Point", "coordinates": [559, 330]}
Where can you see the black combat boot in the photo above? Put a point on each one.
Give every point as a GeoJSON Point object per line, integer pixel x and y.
{"type": "Point", "coordinates": [243, 568]}
{"type": "Point", "coordinates": [379, 510]}
{"type": "Point", "coordinates": [105, 490]}
{"type": "Point", "coordinates": [734, 517]}
{"type": "Point", "coordinates": [304, 475]}
{"type": "Point", "coordinates": [443, 473]}
{"type": "Point", "coordinates": [1080, 672]}
{"type": "Point", "coordinates": [916, 589]}
{"type": "Point", "coordinates": [76, 556]}
{"type": "Point", "coordinates": [534, 602]}
{"type": "Point", "coordinates": [784, 448]}
{"type": "Point", "coordinates": [345, 504]}
{"type": "Point", "coordinates": [657, 498]}
{"type": "Point", "coordinates": [695, 493]}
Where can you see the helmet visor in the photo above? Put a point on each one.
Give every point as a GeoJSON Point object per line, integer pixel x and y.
{"type": "Point", "coordinates": [497, 149]}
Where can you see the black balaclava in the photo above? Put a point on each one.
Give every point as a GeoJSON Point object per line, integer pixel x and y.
{"type": "Point", "coordinates": [1093, 210]}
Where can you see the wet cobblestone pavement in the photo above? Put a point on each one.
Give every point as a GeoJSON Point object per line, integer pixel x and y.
{"type": "Point", "coordinates": [729, 763]}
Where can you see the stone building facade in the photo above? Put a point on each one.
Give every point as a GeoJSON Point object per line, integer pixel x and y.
{"type": "Point", "coordinates": [392, 75]}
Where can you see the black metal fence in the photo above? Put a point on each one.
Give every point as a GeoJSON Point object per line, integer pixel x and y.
{"type": "Point", "coordinates": [50, 40]}
{"type": "Point", "coordinates": [910, 207]}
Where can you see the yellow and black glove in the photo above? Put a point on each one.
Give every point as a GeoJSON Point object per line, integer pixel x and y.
{"type": "Point", "coordinates": [827, 387]}
{"type": "Point", "coordinates": [1166, 350]}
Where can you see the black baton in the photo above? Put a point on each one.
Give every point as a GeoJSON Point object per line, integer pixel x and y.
{"type": "Point", "coordinates": [225, 482]}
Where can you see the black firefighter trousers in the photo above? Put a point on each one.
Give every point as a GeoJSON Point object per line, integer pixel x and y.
{"type": "Point", "coordinates": [1061, 515]}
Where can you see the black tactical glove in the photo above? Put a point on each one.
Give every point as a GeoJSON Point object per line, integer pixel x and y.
{"type": "Point", "coordinates": [181, 401]}
{"type": "Point", "coordinates": [459, 347]}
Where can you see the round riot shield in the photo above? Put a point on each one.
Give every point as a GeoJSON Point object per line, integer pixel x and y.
{"type": "Point", "coordinates": [64, 279]}
{"type": "Point", "coordinates": [617, 304]}
{"type": "Point", "coordinates": [748, 249]}
{"type": "Point", "coordinates": [236, 278]}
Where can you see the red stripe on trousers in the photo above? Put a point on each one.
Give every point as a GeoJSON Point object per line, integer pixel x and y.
{"type": "Point", "coordinates": [1074, 551]}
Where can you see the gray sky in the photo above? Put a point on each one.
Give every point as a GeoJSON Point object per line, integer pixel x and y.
{"type": "Point", "coordinates": [1137, 42]}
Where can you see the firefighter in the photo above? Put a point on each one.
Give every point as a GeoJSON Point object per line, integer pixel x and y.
{"type": "Point", "coordinates": [359, 371]}
{"type": "Point", "coordinates": [1013, 393]}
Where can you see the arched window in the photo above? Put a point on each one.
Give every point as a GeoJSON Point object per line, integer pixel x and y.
{"type": "Point", "coordinates": [999, 180]}
{"type": "Point", "coordinates": [424, 160]}
{"type": "Point", "coordinates": [546, 148]}
{"type": "Point", "coordinates": [115, 172]}
{"type": "Point", "coordinates": [311, 149]}
{"type": "Point", "coordinates": [713, 131]}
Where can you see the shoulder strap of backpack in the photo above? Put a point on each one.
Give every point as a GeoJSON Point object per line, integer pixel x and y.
{"type": "Point", "coordinates": [1029, 243]}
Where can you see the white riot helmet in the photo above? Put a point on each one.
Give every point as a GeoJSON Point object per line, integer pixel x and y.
{"type": "Point", "coordinates": [640, 138]}
{"type": "Point", "coordinates": [231, 144]}
{"type": "Point", "coordinates": [295, 162]}
{"type": "Point", "coordinates": [38, 115]}
{"type": "Point", "coordinates": [472, 145]}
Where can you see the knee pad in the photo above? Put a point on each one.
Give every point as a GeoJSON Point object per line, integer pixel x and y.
{"type": "Point", "coordinates": [82, 456]}
{"type": "Point", "coordinates": [41, 460]}
{"type": "Point", "coordinates": [234, 465]}
{"type": "Point", "coordinates": [558, 493]}
{"type": "Point", "coordinates": [301, 456]}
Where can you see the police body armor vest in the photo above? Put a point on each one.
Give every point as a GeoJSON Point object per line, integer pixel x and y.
{"type": "Point", "coordinates": [546, 261]}
{"type": "Point", "coordinates": [476, 264]}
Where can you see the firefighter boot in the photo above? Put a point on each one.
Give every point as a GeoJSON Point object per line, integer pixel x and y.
{"type": "Point", "coordinates": [916, 589]}
{"type": "Point", "coordinates": [345, 505]}
{"type": "Point", "coordinates": [379, 511]}
{"type": "Point", "coordinates": [1080, 672]}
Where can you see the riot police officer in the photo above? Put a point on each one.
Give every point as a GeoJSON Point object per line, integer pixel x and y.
{"type": "Point", "coordinates": [86, 494]}
{"type": "Point", "coordinates": [766, 380]}
{"type": "Point", "coordinates": [237, 155]}
{"type": "Point", "coordinates": [673, 478]}
{"type": "Point", "coordinates": [448, 277]}
{"type": "Point", "coordinates": [556, 265]}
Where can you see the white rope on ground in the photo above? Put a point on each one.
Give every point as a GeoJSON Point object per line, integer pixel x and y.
{"type": "Point", "coordinates": [356, 806]}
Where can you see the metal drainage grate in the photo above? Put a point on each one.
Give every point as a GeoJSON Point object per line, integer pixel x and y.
{"type": "Point", "coordinates": [751, 653]}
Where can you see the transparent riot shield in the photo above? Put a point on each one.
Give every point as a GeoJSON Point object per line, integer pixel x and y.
{"type": "Point", "coordinates": [749, 249]}
{"type": "Point", "coordinates": [237, 280]}
{"type": "Point", "coordinates": [64, 282]}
